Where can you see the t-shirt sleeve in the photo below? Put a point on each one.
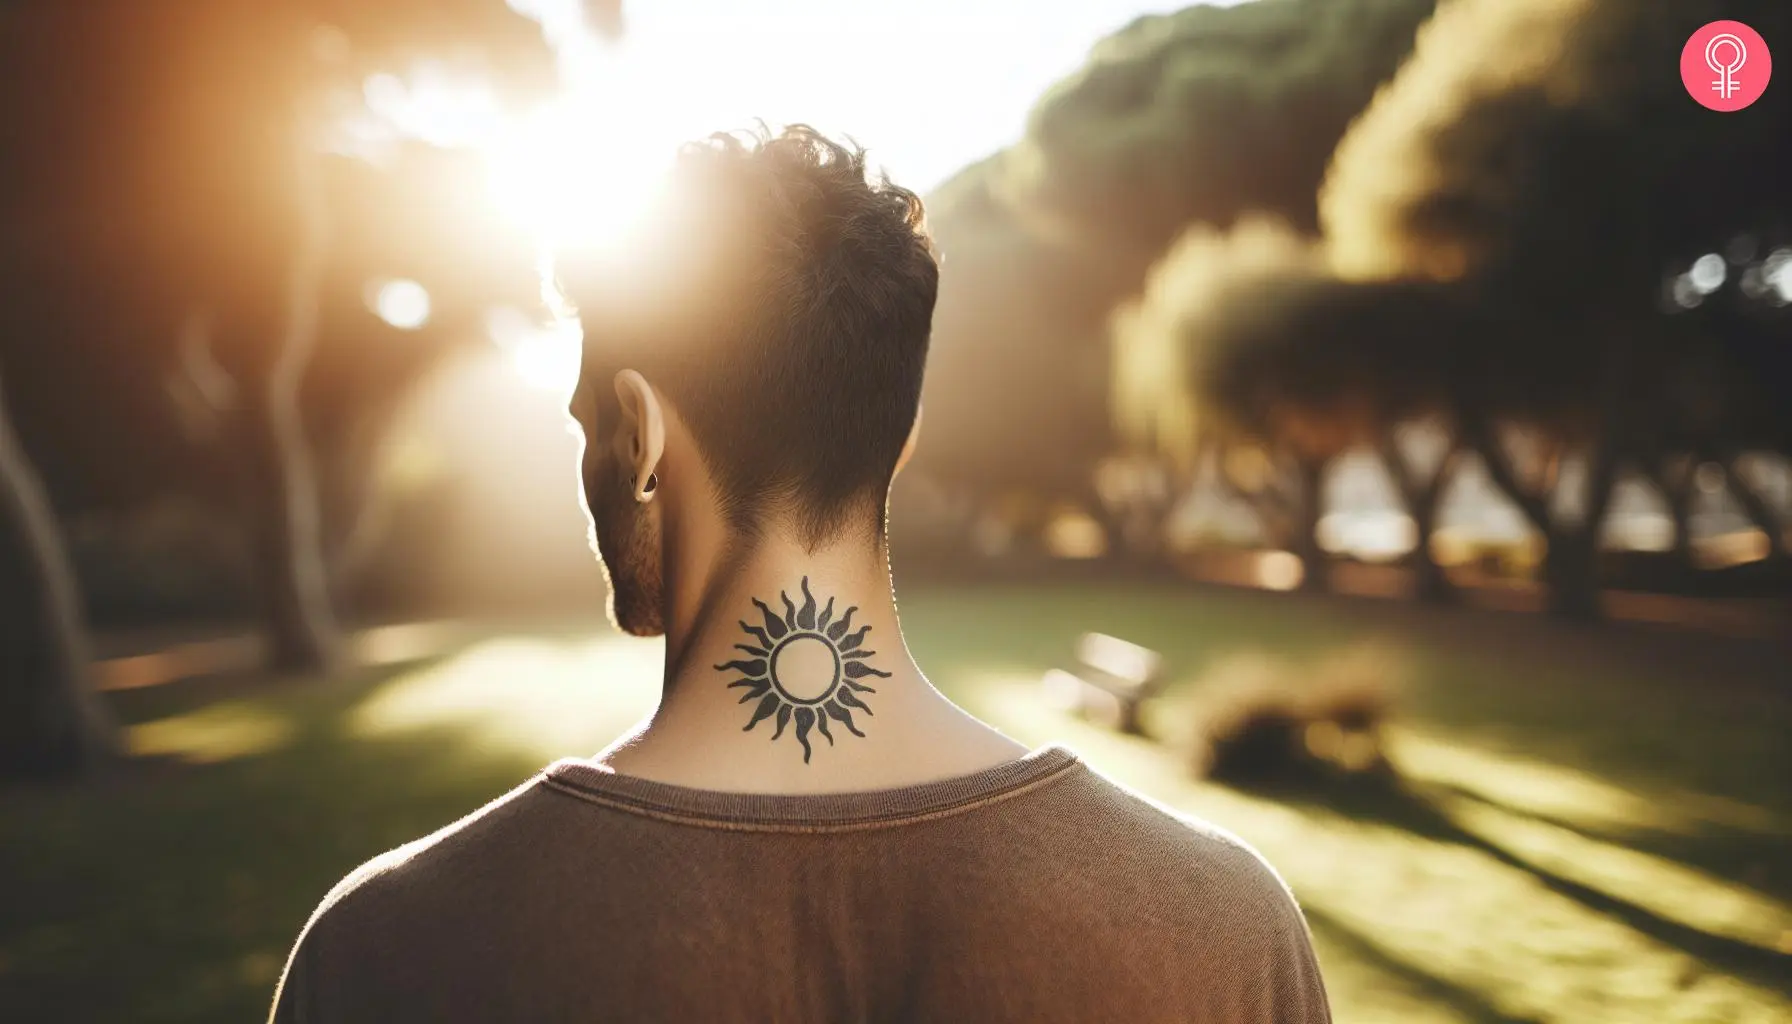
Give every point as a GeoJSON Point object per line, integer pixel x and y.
{"type": "Point", "coordinates": [296, 998]}
{"type": "Point", "coordinates": [1297, 990]}
{"type": "Point", "coordinates": [1274, 969]}
{"type": "Point", "coordinates": [292, 995]}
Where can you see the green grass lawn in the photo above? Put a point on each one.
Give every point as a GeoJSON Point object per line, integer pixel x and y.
{"type": "Point", "coordinates": [1595, 825]}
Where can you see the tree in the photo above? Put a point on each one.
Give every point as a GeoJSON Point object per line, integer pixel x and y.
{"type": "Point", "coordinates": [267, 336]}
{"type": "Point", "coordinates": [1205, 295]}
{"type": "Point", "coordinates": [391, 226]}
{"type": "Point", "coordinates": [1719, 397]}
{"type": "Point", "coordinates": [176, 167]}
{"type": "Point", "coordinates": [1016, 396]}
{"type": "Point", "coordinates": [1246, 339]}
{"type": "Point", "coordinates": [51, 720]}
{"type": "Point", "coordinates": [1340, 365]}
{"type": "Point", "coordinates": [1205, 115]}
{"type": "Point", "coordinates": [167, 184]}
{"type": "Point", "coordinates": [1182, 119]}
{"type": "Point", "coordinates": [1535, 152]}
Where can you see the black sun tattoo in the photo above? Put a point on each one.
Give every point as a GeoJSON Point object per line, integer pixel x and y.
{"type": "Point", "coordinates": [806, 667]}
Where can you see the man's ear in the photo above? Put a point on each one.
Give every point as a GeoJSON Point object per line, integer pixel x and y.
{"type": "Point", "coordinates": [641, 434]}
{"type": "Point", "coordinates": [908, 447]}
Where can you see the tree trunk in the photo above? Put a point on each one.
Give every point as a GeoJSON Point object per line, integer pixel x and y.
{"type": "Point", "coordinates": [1421, 498]}
{"type": "Point", "coordinates": [1309, 509]}
{"type": "Point", "coordinates": [1136, 526]}
{"type": "Point", "coordinates": [298, 621]}
{"type": "Point", "coordinates": [1570, 572]}
{"type": "Point", "coordinates": [1757, 509]}
{"type": "Point", "coordinates": [1677, 491]}
{"type": "Point", "coordinates": [1571, 564]}
{"type": "Point", "coordinates": [283, 504]}
{"type": "Point", "coordinates": [1116, 540]}
{"type": "Point", "coordinates": [1430, 583]}
{"type": "Point", "coordinates": [52, 723]}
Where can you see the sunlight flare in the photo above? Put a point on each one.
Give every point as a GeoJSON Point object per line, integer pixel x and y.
{"type": "Point", "coordinates": [403, 304]}
{"type": "Point", "coordinates": [580, 171]}
{"type": "Point", "coordinates": [535, 698]}
{"type": "Point", "coordinates": [544, 355]}
{"type": "Point", "coordinates": [213, 734]}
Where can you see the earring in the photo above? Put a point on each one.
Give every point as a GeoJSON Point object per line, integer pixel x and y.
{"type": "Point", "coordinates": [644, 494]}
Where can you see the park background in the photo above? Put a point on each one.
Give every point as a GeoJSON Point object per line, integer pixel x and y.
{"type": "Point", "coordinates": [1412, 377]}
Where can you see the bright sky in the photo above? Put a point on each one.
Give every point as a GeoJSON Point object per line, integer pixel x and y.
{"type": "Point", "coordinates": [927, 85]}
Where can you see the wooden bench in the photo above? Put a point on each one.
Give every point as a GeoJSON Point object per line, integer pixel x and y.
{"type": "Point", "coordinates": [1112, 679]}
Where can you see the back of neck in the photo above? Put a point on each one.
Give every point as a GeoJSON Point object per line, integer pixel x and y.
{"type": "Point", "coordinates": [787, 672]}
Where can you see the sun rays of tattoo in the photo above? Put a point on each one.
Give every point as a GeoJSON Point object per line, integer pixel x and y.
{"type": "Point", "coordinates": [806, 668]}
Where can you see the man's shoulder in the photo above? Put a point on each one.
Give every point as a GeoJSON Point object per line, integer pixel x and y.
{"type": "Point", "coordinates": [374, 910]}
{"type": "Point", "coordinates": [420, 865]}
{"type": "Point", "coordinates": [1131, 817]}
{"type": "Point", "coordinates": [1183, 900]}
{"type": "Point", "coordinates": [1176, 857]}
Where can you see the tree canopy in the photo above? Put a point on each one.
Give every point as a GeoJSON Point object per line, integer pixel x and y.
{"type": "Point", "coordinates": [1540, 152]}
{"type": "Point", "coordinates": [1508, 229]}
{"type": "Point", "coordinates": [170, 203]}
{"type": "Point", "coordinates": [1206, 114]}
{"type": "Point", "coordinates": [152, 177]}
{"type": "Point", "coordinates": [1198, 117]}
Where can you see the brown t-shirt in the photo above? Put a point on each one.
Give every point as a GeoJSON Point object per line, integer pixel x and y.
{"type": "Point", "coordinates": [1034, 891]}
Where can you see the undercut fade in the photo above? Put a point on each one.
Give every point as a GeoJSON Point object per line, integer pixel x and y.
{"type": "Point", "coordinates": [782, 300]}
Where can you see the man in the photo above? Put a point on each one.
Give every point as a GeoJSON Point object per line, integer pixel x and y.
{"type": "Point", "coordinates": [805, 830]}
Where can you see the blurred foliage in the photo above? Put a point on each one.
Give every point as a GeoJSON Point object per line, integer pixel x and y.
{"type": "Point", "coordinates": [181, 240]}
{"type": "Point", "coordinates": [1015, 393]}
{"type": "Point", "coordinates": [1213, 287]}
{"type": "Point", "coordinates": [1534, 150]}
{"type": "Point", "coordinates": [150, 181]}
{"type": "Point", "coordinates": [176, 165]}
{"type": "Point", "coordinates": [1206, 114]}
{"type": "Point", "coordinates": [1195, 117]}
{"type": "Point", "coordinates": [1505, 228]}
{"type": "Point", "coordinates": [171, 559]}
{"type": "Point", "coordinates": [1529, 136]}
{"type": "Point", "coordinates": [1264, 723]}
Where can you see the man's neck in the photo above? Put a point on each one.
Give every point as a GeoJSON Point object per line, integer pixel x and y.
{"type": "Point", "coordinates": [787, 672]}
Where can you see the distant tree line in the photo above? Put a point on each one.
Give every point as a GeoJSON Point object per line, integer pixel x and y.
{"type": "Point", "coordinates": [1195, 118]}
{"type": "Point", "coordinates": [1521, 235]}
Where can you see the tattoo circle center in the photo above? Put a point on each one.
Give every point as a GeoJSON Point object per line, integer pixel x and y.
{"type": "Point", "coordinates": [804, 667]}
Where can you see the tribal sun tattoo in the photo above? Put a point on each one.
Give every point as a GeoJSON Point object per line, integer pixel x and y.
{"type": "Point", "coordinates": [805, 667]}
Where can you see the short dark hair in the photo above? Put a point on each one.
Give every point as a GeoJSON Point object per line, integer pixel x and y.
{"type": "Point", "coordinates": [783, 301]}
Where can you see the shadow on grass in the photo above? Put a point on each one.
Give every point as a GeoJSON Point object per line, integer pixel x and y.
{"type": "Point", "coordinates": [172, 890]}
{"type": "Point", "coordinates": [1755, 858]}
{"type": "Point", "coordinates": [1384, 798]}
{"type": "Point", "coordinates": [1470, 1005]}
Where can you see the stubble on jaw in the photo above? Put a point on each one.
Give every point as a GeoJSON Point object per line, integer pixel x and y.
{"type": "Point", "coordinates": [625, 539]}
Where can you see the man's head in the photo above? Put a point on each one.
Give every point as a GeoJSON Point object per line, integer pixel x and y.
{"type": "Point", "coordinates": [758, 356]}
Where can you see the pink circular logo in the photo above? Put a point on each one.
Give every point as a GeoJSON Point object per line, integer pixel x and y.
{"type": "Point", "coordinates": [1725, 65]}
